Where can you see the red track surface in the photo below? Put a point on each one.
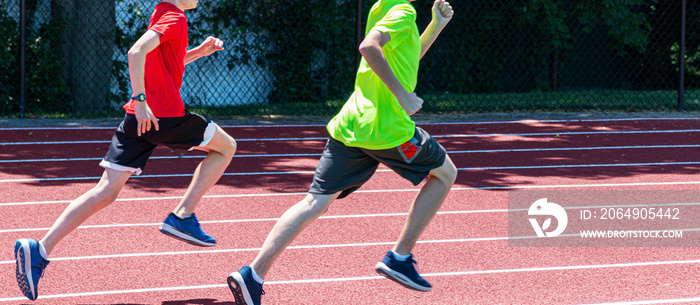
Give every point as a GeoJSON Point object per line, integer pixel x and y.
{"type": "Point", "coordinates": [119, 257]}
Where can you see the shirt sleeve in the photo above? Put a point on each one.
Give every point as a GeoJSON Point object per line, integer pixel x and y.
{"type": "Point", "coordinates": [170, 26]}
{"type": "Point", "coordinates": [398, 22]}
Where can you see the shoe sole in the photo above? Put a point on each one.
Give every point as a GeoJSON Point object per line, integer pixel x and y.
{"type": "Point", "coordinates": [385, 271]}
{"type": "Point", "coordinates": [24, 263]}
{"type": "Point", "coordinates": [175, 233]}
{"type": "Point", "coordinates": [239, 289]}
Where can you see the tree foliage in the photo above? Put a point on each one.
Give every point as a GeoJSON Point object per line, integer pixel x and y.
{"type": "Point", "coordinates": [523, 45]}
{"type": "Point", "coordinates": [46, 91]}
{"type": "Point", "coordinates": [308, 46]}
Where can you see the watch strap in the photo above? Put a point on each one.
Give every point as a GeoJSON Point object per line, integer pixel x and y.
{"type": "Point", "coordinates": [139, 98]}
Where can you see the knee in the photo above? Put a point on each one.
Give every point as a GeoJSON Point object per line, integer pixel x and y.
{"type": "Point", "coordinates": [447, 173]}
{"type": "Point", "coordinates": [452, 173]}
{"type": "Point", "coordinates": [103, 197]}
{"type": "Point", "coordinates": [109, 196]}
{"type": "Point", "coordinates": [230, 147]}
{"type": "Point", "coordinates": [315, 205]}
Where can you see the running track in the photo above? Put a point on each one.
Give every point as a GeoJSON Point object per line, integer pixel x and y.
{"type": "Point", "coordinates": [119, 257]}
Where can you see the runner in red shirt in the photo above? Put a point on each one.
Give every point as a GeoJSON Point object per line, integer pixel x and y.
{"type": "Point", "coordinates": [155, 115]}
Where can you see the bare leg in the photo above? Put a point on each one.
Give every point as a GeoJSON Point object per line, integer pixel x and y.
{"type": "Point", "coordinates": [221, 149]}
{"type": "Point", "coordinates": [426, 205]}
{"type": "Point", "coordinates": [292, 222]}
{"type": "Point", "coordinates": [94, 200]}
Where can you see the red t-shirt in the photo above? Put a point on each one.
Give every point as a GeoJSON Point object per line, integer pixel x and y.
{"type": "Point", "coordinates": [165, 65]}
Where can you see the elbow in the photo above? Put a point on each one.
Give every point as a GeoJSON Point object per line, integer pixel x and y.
{"type": "Point", "coordinates": [367, 49]}
{"type": "Point", "coordinates": [373, 43]}
{"type": "Point", "coordinates": [133, 53]}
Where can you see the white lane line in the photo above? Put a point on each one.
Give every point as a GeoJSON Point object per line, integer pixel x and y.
{"type": "Point", "coordinates": [116, 125]}
{"type": "Point", "coordinates": [176, 157]}
{"type": "Point", "coordinates": [577, 166]}
{"type": "Point", "coordinates": [54, 142]}
{"type": "Point", "coordinates": [319, 246]}
{"type": "Point", "coordinates": [365, 278]}
{"type": "Point", "coordinates": [533, 134]}
{"type": "Point", "coordinates": [379, 171]}
{"type": "Point", "coordinates": [559, 121]}
{"type": "Point", "coordinates": [666, 301]}
{"type": "Point", "coordinates": [125, 225]}
{"type": "Point", "coordinates": [434, 136]}
{"type": "Point", "coordinates": [107, 142]}
{"type": "Point", "coordinates": [158, 176]}
{"type": "Point", "coordinates": [167, 198]}
{"type": "Point", "coordinates": [569, 148]}
{"type": "Point", "coordinates": [420, 124]}
{"type": "Point", "coordinates": [322, 246]}
{"type": "Point", "coordinates": [318, 154]}
{"type": "Point", "coordinates": [387, 191]}
{"type": "Point", "coordinates": [463, 212]}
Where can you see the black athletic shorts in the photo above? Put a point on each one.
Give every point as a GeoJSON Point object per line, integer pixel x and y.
{"type": "Point", "coordinates": [344, 169]}
{"type": "Point", "coordinates": [129, 152]}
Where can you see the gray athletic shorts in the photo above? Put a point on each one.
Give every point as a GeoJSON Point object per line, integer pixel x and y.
{"type": "Point", "coordinates": [129, 152]}
{"type": "Point", "coordinates": [344, 169]}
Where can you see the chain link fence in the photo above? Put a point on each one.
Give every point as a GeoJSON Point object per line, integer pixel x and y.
{"type": "Point", "coordinates": [294, 57]}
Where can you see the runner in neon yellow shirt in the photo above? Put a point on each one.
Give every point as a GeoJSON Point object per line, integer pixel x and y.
{"type": "Point", "coordinates": [373, 118]}
{"type": "Point", "coordinates": [373, 127]}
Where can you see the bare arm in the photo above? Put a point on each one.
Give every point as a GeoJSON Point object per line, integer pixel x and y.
{"type": "Point", "coordinates": [137, 67]}
{"type": "Point", "coordinates": [137, 59]}
{"type": "Point", "coordinates": [208, 47]}
{"type": "Point", "coordinates": [371, 50]}
{"type": "Point", "coordinates": [442, 14]}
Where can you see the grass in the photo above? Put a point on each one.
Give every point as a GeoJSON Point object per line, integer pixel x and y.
{"type": "Point", "coordinates": [571, 100]}
{"type": "Point", "coordinates": [580, 100]}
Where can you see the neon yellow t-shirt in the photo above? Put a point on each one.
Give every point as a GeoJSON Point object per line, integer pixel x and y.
{"type": "Point", "coordinates": [372, 117]}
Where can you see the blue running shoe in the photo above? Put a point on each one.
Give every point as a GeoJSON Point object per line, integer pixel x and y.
{"type": "Point", "coordinates": [30, 267]}
{"type": "Point", "coordinates": [402, 272]}
{"type": "Point", "coordinates": [186, 229]}
{"type": "Point", "coordinates": [246, 290]}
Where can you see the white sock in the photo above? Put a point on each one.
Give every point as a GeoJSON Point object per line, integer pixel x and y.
{"type": "Point", "coordinates": [182, 217]}
{"type": "Point", "coordinates": [400, 257]}
{"type": "Point", "coordinates": [256, 277]}
{"type": "Point", "coordinates": [42, 251]}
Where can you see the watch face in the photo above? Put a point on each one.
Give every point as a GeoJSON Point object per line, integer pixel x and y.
{"type": "Point", "coordinates": [141, 97]}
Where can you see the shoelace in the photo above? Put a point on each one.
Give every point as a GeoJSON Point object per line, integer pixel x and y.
{"type": "Point", "coordinates": [262, 291]}
{"type": "Point", "coordinates": [414, 262]}
{"type": "Point", "coordinates": [43, 265]}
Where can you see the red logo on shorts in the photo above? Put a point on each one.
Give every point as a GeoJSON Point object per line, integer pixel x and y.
{"type": "Point", "coordinates": [409, 150]}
